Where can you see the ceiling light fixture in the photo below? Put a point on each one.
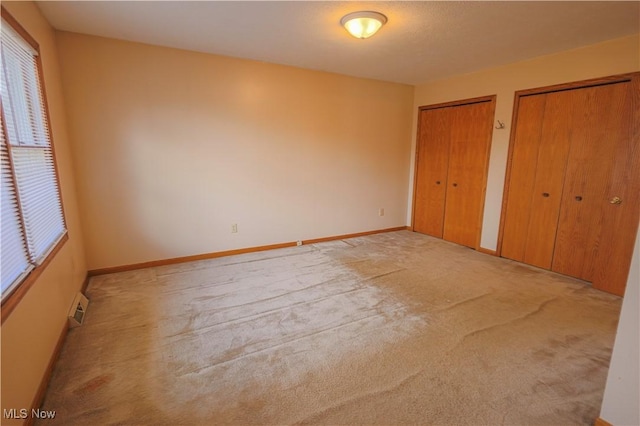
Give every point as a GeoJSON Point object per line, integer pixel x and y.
{"type": "Point", "coordinates": [363, 24]}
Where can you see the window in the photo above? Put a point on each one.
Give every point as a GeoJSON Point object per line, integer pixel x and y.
{"type": "Point", "coordinates": [33, 225]}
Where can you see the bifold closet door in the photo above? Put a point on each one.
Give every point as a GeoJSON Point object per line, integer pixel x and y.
{"type": "Point", "coordinates": [451, 166]}
{"type": "Point", "coordinates": [468, 154]}
{"type": "Point", "coordinates": [598, 171]}
{"type": "Point", "coordinates": [540, 150]}
{"type": "Point", "coordinates": [432, 162]}
{"type": "Point", "coordinates": [574, 182]}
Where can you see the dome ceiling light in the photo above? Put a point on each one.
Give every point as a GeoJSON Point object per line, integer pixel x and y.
{"type": "Point", "coordinates": [363, 24]}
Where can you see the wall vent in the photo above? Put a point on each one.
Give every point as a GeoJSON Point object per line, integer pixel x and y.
{"type": "Point", "coordinates": [78, 310]}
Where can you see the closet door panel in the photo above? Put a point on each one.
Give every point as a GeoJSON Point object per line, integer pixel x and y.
{"type": "Point", "coordinates": [547, 190]}
{"type": "Point", "coordinates": [583, 213]}
{"type": "Point", "coordinates": [613, 260]}
{"type": "Point", "coordinates": [524, 161]}
{"type": "Point", "coordinates": [470, 138]}
{"type": "Point", "coordinates": [600, 125]}
{"type": "Point", "coordinates": [432, 169]}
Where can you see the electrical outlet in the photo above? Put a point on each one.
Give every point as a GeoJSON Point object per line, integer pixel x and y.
{"type": "Point", "coordinates": [234, 228]}
{"type": "Point", "coordinates": [381, 212]}
{"type": "Point", "coordinates": [298, 243]}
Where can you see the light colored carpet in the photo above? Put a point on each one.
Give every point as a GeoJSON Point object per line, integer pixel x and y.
{"type": "Point", "coordinates": [394, 328]}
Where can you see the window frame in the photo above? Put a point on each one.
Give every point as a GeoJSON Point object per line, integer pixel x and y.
{"type": "Point", "coordinates": [13, 298]}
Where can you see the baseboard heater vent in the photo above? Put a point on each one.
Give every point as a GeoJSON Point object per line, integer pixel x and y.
{"type": "Point", "coordinates": [78, 310]}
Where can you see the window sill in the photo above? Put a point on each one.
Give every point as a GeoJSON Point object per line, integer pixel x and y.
{"type": "Point", "coordinates": [11, 301]}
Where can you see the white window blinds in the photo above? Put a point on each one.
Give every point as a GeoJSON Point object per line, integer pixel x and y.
{"type": "Point", "coordinates": [32, 218]}
{"type": "Point", "coordinates": [15, 261]}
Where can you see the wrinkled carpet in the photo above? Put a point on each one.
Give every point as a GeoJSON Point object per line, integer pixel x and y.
{"type": "Point", "coordinates": [393, 328]}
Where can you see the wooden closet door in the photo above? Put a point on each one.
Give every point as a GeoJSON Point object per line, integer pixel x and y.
{"type": "Point", "coordinates": [612, 264]}
{"type": "Point", "coordinates": [468, 155]}
{"type": "Point", "coordinates": [524, 163]}
{"type": "Point", "coordinates": [578, 147]}
{"type": "Point", "coordinates": [549, 181]}
{"type": "Point", "coordinates": [541, 148]}
{"type": "Point", "coordinates": [432, 163]}
{"type": "Point", "coordinates": [600, 149]}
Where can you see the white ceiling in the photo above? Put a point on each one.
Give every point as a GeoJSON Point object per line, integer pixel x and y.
{"type": "Point", "coordinates": [423, 40]}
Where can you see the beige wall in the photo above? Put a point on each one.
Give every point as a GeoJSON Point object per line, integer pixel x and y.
{"type": "Point", "coordinates": [30, 333]}
{"type": "Point", "coordinates": [173, 147]}
{"type": "Point", "coordinates": [622, 392]}
{"type": "Point", "coordinates": [612, 57]}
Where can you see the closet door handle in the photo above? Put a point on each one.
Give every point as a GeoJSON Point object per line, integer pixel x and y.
{"type": "Point", "coordinates": [616, 200]}
{"type": "Point", "coordinates": [455, 184]}
{"type": "Point", "coordinates": [437, 182]}
{"type": "Point", "coordinates": [578, 198]}
{"type": "Point", "coordinates": [545, 194]}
